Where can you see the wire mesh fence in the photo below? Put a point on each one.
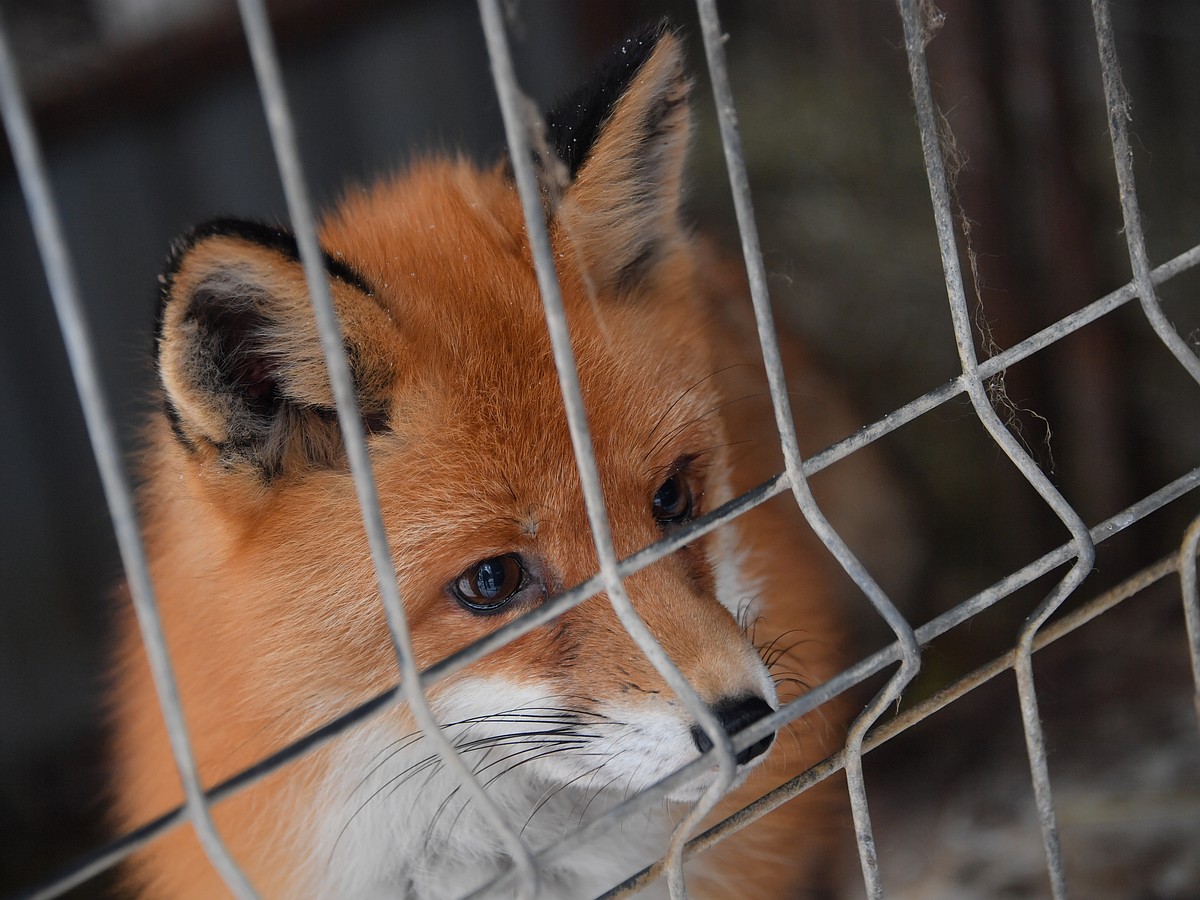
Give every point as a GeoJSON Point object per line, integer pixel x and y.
{"type": "Point", "coordinates": [1077, 552]}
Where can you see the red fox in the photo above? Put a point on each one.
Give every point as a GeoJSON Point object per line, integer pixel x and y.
{"type": "Point", "coordinates": [268, 596]}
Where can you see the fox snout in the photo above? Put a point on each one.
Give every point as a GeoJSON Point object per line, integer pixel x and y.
{"type": "Point", "coordinates": [735, 714]}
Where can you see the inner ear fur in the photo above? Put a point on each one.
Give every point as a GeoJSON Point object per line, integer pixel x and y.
{"type": "Point", "coordinates": [623, 137]}
{"type": "Point", "coordinates": [239, 358]}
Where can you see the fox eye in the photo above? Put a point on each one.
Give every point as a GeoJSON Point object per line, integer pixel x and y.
{"type": "Point", "coordinates": [673, 502]}
{"type": "Point", "coordinates": [489, 584]}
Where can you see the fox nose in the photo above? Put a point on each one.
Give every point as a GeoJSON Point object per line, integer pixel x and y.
{"type": "Point", "coordinates": [734, 714]}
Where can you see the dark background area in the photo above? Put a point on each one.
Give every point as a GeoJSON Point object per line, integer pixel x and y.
{"type": "Point", "coordinates": [151, 122]}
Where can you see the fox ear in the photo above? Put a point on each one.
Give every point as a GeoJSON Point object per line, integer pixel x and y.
{"type": "Point", "coordinates": [623, 139]}
{"type": "Point", "coordinates": [239, 358]}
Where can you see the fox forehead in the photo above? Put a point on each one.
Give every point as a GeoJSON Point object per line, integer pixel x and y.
{"type": "Point", "coordinates": [445, 252]}
{"type": "Point", "coordinates": [477, 390]}
{"type": "Point", "coordinates": [495, 456]}
{"type": "Point", "coordinates": [444, 230]}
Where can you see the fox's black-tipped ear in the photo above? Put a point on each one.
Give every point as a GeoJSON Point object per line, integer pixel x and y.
{"type": "Point", "coordinates": [240, 362]}
{"type": "Point", "coordinates": [623, 138]}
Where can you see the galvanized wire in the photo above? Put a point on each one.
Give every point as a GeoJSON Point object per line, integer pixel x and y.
{"type": "Point", "coordinates": [1119, 115]}
{"type": "Point", "coordinates": [521, 120]}
{"type": "Point", "coordinates": [869, 666]}
{"type": "Point", "coordinates": [916, 35]}
{"type": "Point", "coordinates": [996, 365]}
{"type": "Point", "coordinates": [714, 48]}
{"type": "Point", "coordinates": [840, 450]}
{"type": "Point", "coordinates": [92, 865]}
{"type": "Point", "coordinates": [1191, 601]}
{"type": "Point", "coordinates": [897, 725]}
{"type": "Point", "coordinates": [1117, 99]}
{"type": "Point", "coordinates": [64, 292]}
{"type": "Point", "coordinates": [283, 140]}
{"type": "Point", "coordinates": [652, 797]}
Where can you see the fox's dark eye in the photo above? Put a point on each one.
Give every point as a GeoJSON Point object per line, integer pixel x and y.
{"type": "Point", "coordinates": [673, 502]}
{"type": "Point", "coordinates": [490, 584]}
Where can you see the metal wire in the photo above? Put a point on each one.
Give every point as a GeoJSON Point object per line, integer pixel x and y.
{"type": "Point", "coordinates": [1116, 97]}
{"type": "Point", "coordinates": [905, 650]}
{"type": "Point", "coordinates": [279, 120]}
{"type": "Point", "coordinates": [869, 666]}
{"type": "Point", "coordinates": [714, 49]}
{"type": "Point", "coordinates": [916, 34]}
{"type": "Point", "coordinates": [64, 292]}
{"type": "Point", "coordinates": [897, 725]}
{"type": "Point", "coordinates": [521, 119]}
{"type": "Point", "coordinates": [856, 674]}
{"type": "Point", "coordinates": [1119, 116]}
{"type": "Point", "coordinates": [1191, 601]}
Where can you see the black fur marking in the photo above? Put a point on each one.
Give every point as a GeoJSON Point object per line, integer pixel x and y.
{"type": "Point", "coordinates": [242, 368]}
{"type": "Point", "coordinates": [272, 237]}
{"type": "Point", "coordinates": [242, 365]}
{"type": "Point", "coordinates": [575, 122]}
{"type": "Point", "coordinates": [659, 112]}
{"type": "Point", "coordinates": [176, 423]}
{"type": "Point", "coordinates": [633, 271]}
{"type": "Point", "coordinates": [376, 417]}
{"type": "Point", "coordinates": [374, 421]}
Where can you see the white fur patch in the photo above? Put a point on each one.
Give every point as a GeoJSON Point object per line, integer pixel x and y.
{"type": "Point", "coordinates": [739, 593]}
{"type": "Point", "coordinates": [392, 822]}
{"type": "Point", "coordinates": [735, 591]}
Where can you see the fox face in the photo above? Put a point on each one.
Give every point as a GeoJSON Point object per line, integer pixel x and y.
{"type": "Point", "coordinates": [266, 588]}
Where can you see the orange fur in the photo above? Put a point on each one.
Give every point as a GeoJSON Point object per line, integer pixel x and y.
{"type": "Point", "coordinates": [267, 596]}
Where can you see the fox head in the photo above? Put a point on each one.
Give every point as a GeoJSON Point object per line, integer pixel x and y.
{"type": "Point", "coordinates": [252, 518]}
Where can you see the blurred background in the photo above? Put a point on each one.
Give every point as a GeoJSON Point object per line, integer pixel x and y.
{"type": "Point", "coordinates": [151, 122]}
